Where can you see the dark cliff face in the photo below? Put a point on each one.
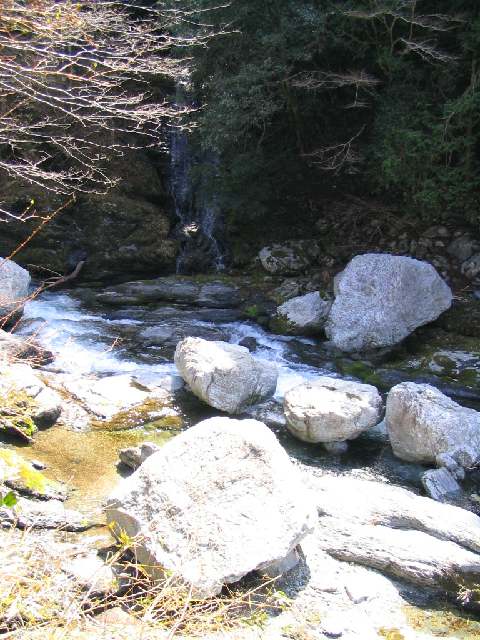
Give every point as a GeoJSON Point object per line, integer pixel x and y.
{"type": "Point", "coordinates": [124, 233]}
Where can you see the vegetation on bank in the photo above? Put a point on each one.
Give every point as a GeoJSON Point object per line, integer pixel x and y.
{"type": "Point", "coordinates": [304, 100]}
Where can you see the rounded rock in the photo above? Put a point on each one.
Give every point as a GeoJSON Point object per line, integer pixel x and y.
{"type": "Point", "coordinates": [331, 410]}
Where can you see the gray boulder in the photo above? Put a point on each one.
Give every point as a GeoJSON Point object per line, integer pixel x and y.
{"type": "Point", "coordinates": [441, 485]}
{"type": "Point", "coordinates": [289, 257]}
{"type": "Point", "coordinates": [303, 315]}
{"type": "Point", "coordinates": [225, 376]}
{"type": "Point", "coordinates": [217, 502]}
{"type": "Point", "coordinates": [424, 424]}
{"type": "Point", "coordinates": [14, 283]}
{"type": "Point", "coordinates": [381, 299]}
{"type": "Point", "coordinates": [331, 410]}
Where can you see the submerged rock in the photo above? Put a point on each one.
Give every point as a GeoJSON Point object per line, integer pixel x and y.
{"type": "Point", "coordinates": [423, 424]}
{"type": "Point", "coordinates": [331, 410]}
{"type": "Point", "coordinates": [303, 315]}
{"type": "Point", "coordinates": [217, 502]}
{"type": "Point", "coordinates": [381, 299]}
{"type": "Point", "coordinates": [224, 375]}
{"type": "Point", "coordinates": [14, 283]}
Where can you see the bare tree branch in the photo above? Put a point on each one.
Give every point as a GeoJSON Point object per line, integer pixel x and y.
{"type": "Point", "coordinates": [77, 88]}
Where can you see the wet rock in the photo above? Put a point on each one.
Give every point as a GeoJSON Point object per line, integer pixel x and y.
{"type": "Point", "coordinates": [331, 410]}
{"type": "Point", "coordinates": [441, 485]}
{"type": "Point", "coordinates": [249, 343]}
{"type": "Point", "coordinates": [463, 248]}
{"type": "Point", "coordinates": [303, 315]}
{"type": "Point", "coordinates": [213, 293]}
{"type": "Point", "coordinates": [133, 457]}
{"type": "Point", "coordinates": [153, 315]}
{"type": "Point", "coordinates": [471, 267]}
{"type": "Point", "coordinates": [171, 334]}
{"type": "Point", "coordinates": [289, 257]}
{"type": "Point", "coordinates": [393, 530]}
{"type": "Point", "coordinates": [217, 502]}
{"type": "Point", "coordinates": [224, 375]}
{"type": "Point", "coordinates": [381, 299]}
{"type": "Point", "coordinates": [270, 412]}
{"type": "Point", "coordinates": [448, 361]}
{"type": "Point", "coordinates": [14, 283]}
{"type": "Point", "coordinates": [423, 423]}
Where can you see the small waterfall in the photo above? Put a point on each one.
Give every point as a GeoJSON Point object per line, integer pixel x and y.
{"type": "Point", "coordinates": [198, 214]}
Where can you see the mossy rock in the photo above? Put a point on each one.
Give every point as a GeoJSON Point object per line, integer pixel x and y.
{"type": "Point", "coordinates": [16, 414]}
{"type": "Point", "coordinates": [282, 325]}
{"type": "Point", "coordinates": [145, 414]}
{"type": "Point", "coordinates": [453, 358]}
{"type": "Point", "coordinates": [19, 475]}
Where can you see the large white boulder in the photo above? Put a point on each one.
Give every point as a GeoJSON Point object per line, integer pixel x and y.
{"type": "Point", "coordinates": [380, 299]}
{"type": "Point", "coordinates": [396, 531]}
{"type": "Point", "coordinates": [331, 410]}
{"type": "Point", "coordinates": [425, 425]}
{"type": "Point", "coordinates": [216, 502]}
{"type": "Point", "coordinates": [303, 315]}
{"type": "Point", "coordinates": [224, 375]}
{"type": "Point", "coordinates": [14, 283]}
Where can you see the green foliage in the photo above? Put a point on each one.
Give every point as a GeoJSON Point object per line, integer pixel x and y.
{"type": "Point", "coordinates": [303, 98]}
{"type": "Point", "coordinates": [8, 500]}
{"type": "Point", "coordinates": [16, 413]}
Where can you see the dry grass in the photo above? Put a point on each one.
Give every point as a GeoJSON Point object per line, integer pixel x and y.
{"type": "Point", "coordinates": [39, 600]}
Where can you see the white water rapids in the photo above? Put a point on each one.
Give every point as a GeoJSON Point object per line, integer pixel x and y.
{"type": "Point", "coordinates": [86, 342]}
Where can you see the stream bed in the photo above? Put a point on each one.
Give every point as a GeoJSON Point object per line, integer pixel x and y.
{"type": "Point", "coordinates": [91, 344]}
{"type": "Point", "coordinates": [94, 343]}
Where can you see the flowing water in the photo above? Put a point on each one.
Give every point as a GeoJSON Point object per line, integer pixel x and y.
{"type": "Point", "coordinates": [197, 212]}
{"type": "Point", "coordinates": [91, 344]}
